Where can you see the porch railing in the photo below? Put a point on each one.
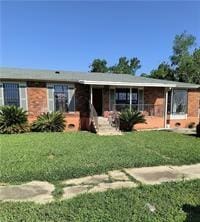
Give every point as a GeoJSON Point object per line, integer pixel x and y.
{"type": "Point", "coordinates": [94, 117]}
{"type": "Point", "coordinates": [145, 109]}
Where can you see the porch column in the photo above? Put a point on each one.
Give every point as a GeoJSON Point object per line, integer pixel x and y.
{"type": "Point", "coordinates": [91, 95]}
{"type": "Point", "coordinates": [130, 97]}
{"type": "Point", "coordinates": [166, 101]}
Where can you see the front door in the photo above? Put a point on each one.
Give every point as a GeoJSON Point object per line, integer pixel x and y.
{"type": "Point", "coordinates": [97, 100]}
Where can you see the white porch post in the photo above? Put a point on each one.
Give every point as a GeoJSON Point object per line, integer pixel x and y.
{"type": "Point", "coordinates": [166, 101]}
{"type": "Point", "coordinates": [91, 95]}
{"type": "Point", "coordinates": [130, 97]}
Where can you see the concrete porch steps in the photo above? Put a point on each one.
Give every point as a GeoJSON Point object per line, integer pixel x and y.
{"type": "Point", "coordinates": [105, 129]}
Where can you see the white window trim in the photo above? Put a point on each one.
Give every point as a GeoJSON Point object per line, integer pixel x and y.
{"type": "Point", "coordinates": [52, 85]}
{"type": "Point", "coordinates": [19, 83]}
{"type": "Point", "coordinates": [178, 116]}
{"type": "Point", "coordinates": [131, 89]}
{"type": "Point", "coordinates": [174, 115]}
{"type": "Point", "coordinates": [73, 86]}
{"type": "Point", "coordinates": [49, 85]}
{"type": "Point", "coordinates": [2, 93]}
{"type": "Point", "coordinates": [26, 94]}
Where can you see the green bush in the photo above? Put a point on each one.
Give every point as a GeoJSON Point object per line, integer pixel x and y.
{"type": "Point", "coordinates": [129, 118]}
{"type": "Point", "coordinates": [49, 122]}
{"type": "Point", "coordinates": [13, 120]}
{"type": "Point", "coordinates": [198, 130]}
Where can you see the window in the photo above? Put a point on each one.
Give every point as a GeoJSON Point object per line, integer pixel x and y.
{"type": "Point", "coordinates": [169, 102]}
{"type": "Point", "coordinates": [179, 102]}
{"type": "Point", "coordinates": [11, 94]}
{"type": "Point", "coordinates": [122, 96]}
{"type": "Point", "coordinates": [134, 96]}
{"type": "Point", "coordinates": [141, 99]}
{"type": "Point", "coordinates": [61, 98]}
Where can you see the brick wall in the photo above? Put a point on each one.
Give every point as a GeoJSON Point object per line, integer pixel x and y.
{"type": "Point", "coordinates": [82, 105]}
{"type": "Point", "coordinates": [193, 105]}
{"type": "Point", "coordinates": [193, 102]}
{"type": "Point", "coordinates": [37, 104]}
{"type": "Point", "coordinates": [154, 95]}
{"type": "Point", "coordinates": [37, 99]}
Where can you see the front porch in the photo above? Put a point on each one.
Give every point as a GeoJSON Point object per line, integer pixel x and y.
{"type": "Point", "coordinates": [108, 99]}
{"type": "Point", "coordinates": [163, 107]}
{"type": "Point", "coordinates": [150, 101]}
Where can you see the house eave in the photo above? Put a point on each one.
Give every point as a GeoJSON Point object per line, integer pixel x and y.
{"type": "Point", "coordinates": [128, 84]}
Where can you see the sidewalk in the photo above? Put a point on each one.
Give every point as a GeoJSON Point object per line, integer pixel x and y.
{"type": "Point", "coordinates": [41, 191]}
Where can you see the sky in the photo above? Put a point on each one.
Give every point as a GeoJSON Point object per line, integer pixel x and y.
{"type": "Point", "coordinates": [64, 35]}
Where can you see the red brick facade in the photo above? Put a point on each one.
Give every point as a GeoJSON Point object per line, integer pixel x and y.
{"type": "Point", "coordinates": [154, 96]}
{"type": "Point", "coordinates": [192, 115]}
{"type": "Point", "coordinates": [37, 104]}
{"type": "Point", "coordinates": [82, 97]}
{"type": "Point", "coordinates": [37, 98]}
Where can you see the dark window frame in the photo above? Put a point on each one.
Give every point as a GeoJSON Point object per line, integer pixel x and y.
{"type": "Point", "coordinates": [125, 92]}
{"type": "Point", "coordinates": [61, 98]}
{"type": "Point", "coordinates": [11, 97]}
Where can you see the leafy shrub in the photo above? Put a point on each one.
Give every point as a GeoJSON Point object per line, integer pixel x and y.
{"type": "Point", "coordinates": [129, 118]}
{"type": "Point", "coordinates": [13, 120]}
{"type": "Point", "coordinates": [49, 122]}
{"type": "Point", "coordinates": [198, 130]}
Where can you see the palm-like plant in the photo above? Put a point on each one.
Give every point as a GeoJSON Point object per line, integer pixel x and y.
{"type": "Point", "coordinates": [13, 120]}
{"type": "Point", "coordinates": [49, 122]}
{"type": "Point", "coordinates": [129, 118]}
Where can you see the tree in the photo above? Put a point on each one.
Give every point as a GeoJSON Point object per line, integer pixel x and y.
{"type": "Point", "coordinates": [164, 71]}
{"type": "Point", "coordinates": [124, 66]}
{"type": "Point", "coordinates": [188, 69]}
{"type": "Point", "coordinates": [185, 63]}
{"type": "Point", "coordinates": [99, 65]}
{"type": "Point", "coordinates": [181, 46]}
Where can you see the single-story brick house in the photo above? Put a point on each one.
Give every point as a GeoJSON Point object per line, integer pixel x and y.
{"type": "Point", "coordinates": [164, 103]}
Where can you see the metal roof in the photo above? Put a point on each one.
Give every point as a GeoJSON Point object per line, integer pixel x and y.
{"type": "Point", "coordinates": [87, 78]}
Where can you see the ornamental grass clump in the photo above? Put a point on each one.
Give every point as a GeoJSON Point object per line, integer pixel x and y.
{"type": "Point", "coordinates": [49, 122]}
{"type": "Point", "coordinates": [13, 119]}
{"type": "Point", "coordinates": [130, 118]}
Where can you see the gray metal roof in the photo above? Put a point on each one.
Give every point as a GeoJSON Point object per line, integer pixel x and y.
{"type": "Point", "coordinates": [87, 78]}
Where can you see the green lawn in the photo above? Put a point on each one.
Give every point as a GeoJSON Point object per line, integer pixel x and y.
{"type": "Point", "coordinates": [173, 202]}
{"type": "Point", "coordinates": [58, 156]}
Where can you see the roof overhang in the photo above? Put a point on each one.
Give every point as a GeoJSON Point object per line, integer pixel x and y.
{"type": "Point", "coordinates": [110, 83]}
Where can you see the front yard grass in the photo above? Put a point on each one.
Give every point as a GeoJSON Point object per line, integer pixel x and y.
{"type": "Point", "coordinates": [58, 156]}
{"type": "Point", "coordinates": [173, 202]}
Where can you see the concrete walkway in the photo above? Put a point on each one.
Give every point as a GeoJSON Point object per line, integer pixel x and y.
{"type": "Point", "coordinates": [41, 192]}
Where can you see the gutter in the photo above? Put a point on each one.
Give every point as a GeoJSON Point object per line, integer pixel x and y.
{"type": "Point", "coordinates": [86, 82]}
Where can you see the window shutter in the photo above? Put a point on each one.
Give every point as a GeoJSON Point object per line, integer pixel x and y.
{"type": "Point", "coordinates": [71, 98]}
{"type": "Point", "coordinates": [112, 99]}
{"type": "Point", "coordinates": [50, 89]}
{"type": "Point", "coordinates": [23, 96]}
{"type": "Point", "coordinates": [1, 94]}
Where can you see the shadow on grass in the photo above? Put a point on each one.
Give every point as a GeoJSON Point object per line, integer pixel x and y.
{"type": "Point", "coordinates": [193, 135]}
{"type": "Point", "coordinates": [193, 213]}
